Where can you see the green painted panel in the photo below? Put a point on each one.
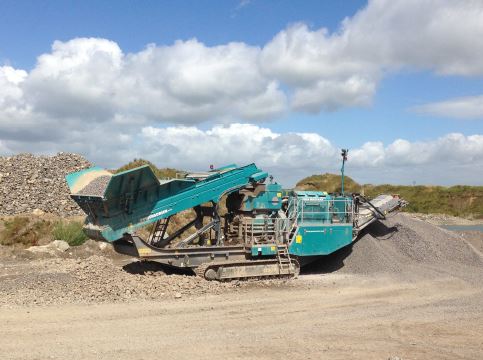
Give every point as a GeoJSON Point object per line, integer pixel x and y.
{"type": "Point", "coordinates": [270, 199]}
{"type": "Point", "coordinates": [320, 240]}
{"type": "Point", "coordinates": [135, 198]}
{"type": "Point", "coordinates": [266, 249]}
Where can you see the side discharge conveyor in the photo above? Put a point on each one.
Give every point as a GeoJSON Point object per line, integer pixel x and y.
{"type": "Point", "coordinates": [265, 231]}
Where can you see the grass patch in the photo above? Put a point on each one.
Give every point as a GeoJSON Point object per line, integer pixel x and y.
{"type": "Point", "coordinates": [25, 231]}
{"type": "Point", "coordinates": [69, 231]}
{"type": "Point", "coordinates": [463, 201]}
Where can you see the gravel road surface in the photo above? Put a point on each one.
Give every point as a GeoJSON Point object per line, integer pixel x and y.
{"type": "Point", "coordinates": [324, 317]}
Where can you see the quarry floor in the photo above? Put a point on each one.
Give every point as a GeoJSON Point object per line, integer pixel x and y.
{"type": "Point", "coordinates": [320, 317]}
{"type": "Point", "coordinates": [409, 290]}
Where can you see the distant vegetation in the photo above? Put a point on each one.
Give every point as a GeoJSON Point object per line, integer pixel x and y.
{"type": "Point", "coordinates": [328, 182]}
{"type": "Point", "coordinates": [464, 201]}
{"type": "Point", "coordinates": [161, 173]}
{"type": "Point", "coordinates": [29, 231]}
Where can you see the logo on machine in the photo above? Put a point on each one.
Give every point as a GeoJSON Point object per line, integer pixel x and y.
{"type": "Point", "coordinates": [159, 213]}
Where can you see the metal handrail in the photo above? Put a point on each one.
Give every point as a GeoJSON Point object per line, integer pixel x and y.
{"type": "Point", "coordinates": [330, 202]}
{"type": "Point", "coordinates": [281, 228]}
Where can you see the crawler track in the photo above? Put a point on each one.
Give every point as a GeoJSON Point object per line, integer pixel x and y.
{"type": "Point", "coordinates": [238, 270]}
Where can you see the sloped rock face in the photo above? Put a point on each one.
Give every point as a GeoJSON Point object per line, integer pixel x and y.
{"type": "Point", "coordinates": [31, 183]}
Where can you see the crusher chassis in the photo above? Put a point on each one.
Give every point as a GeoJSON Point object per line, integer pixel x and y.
{"type": "Point", "coordinates": [265, 231]}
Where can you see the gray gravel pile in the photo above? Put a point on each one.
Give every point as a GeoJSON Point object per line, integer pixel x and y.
{"type": "Point", "coordinates": [411, 248]}
{"type": "Point", "coordinates": [29, 182]}
{"type": "Point", "coordinates": [96, 187]}
{"type": "Point", "coordinates": [96, 280]}
{"type": "Point", "coordinates": [94, 273]}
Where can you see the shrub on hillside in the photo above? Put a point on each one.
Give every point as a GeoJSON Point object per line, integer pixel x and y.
{"type": "Point", "coordinates": [69, 231]}
{"type": "Point", "coordinates": [164, 173]}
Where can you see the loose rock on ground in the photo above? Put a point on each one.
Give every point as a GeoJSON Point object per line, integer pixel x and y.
{"type": "Point", "coordinates": [401, 247]}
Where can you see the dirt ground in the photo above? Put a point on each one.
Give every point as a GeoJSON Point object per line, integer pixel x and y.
{"type": "Point", "coordinates": [321, 317]}
{"type": "Point", "coordinates": [407, 290]}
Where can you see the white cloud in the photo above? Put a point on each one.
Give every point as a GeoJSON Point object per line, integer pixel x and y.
{"type": "Point", "coordinates": [470, 107]}
{"type": "Point", "coordinates": [243, 143]}
{"type": "Point", "coordinates": [87, 95]}
{"type": "Point", "coordinates": [292, 156]}
{"type": "Point", "coordinates": [444, 35]}
{"type": "Point", "coordinates": [371, 154]}
{"type": "Point", "coordinates": [11, 95]}
{"type": "Point", "coordinates": [86, 88]}
{"type": "Point", "coordinates": [319, 68]}
{"type": "Point", "coordinates": [332, 95]}
{"type": "Point", "coordinates": [450, 159]}
{"type": "Point", "coordinates": [76, 79]}
{"type": "Point", "coordinates": [448, 150]}
{"type": "Point", "coordinates": [187, 82]}
{"type": "Point", "coordinates": [328, 71]}
{"type": "Point", "coordinates": [10, 91]}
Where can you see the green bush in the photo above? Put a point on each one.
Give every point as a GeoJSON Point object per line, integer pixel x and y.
{"type": "Point", "coordinates": [69, 231]}
{"type": "Point", "coordinates": [328, 182]}
{"type": "Point", "coordinates": [161, 173]}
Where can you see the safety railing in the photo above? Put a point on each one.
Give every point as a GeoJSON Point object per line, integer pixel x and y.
{"type": "Point", "coordinates": [299, 211]}
{"type": "Point", "coordinates": [327, 211]}
{"type": "Point", "coordinates": [257, 231]}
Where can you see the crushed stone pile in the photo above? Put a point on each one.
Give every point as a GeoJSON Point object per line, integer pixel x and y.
{"type": "Point", "coordinates": [96, 187]}
{"type": "Point", "coordinates": [29, 182]}
{"type": "Point", "coordinates": [408, 248]}
{"type": "Point", "coordinates": [98, 279]}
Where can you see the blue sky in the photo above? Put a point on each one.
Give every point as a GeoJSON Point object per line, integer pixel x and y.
{"type": "Point", "coordinates": [36, 24]}
{"type": "Point", "coordinates": [382, 76]}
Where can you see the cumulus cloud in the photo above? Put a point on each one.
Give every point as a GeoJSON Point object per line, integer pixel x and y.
{"type": "Point", "coordinates": [342, 69]}
{"type": "Point", "coordinates": [75, 80]}
{"type": "Point", "coordinates": [10, 91]}
{"type": "Point", "coordinates": [244, 143]}
{"type": "Point", "coordinates": [186, 82]}
{"type": "Point", "coordinates": [470, 107]}
{"type": "Point", "coordinates": [445, 35]}
{"type": "Point", "coordinates": [86, 88]}
{"type": "Point", "coordinates": [291, 156]}
{"type": "Point", "coordinates": [450, 149]}
{"type": "Point", "coordinates": [87, 95]}
{"type": "Point", "coordinates": [317, 66]}
{"type": "Point", "coordinates": [450, 159]}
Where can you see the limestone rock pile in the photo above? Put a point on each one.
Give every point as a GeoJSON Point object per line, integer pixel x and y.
{"type": "Point", "coordinates": [29, 182]}
{"type": "Point", "coordinates": [407, 248]}
{"type": "Point", "coordinates": [98, 280]}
